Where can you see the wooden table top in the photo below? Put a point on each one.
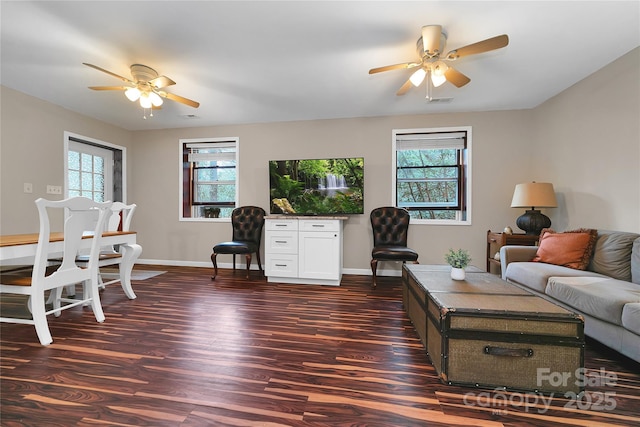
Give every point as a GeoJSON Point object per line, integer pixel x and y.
{"type": "Point", "coordinates": [32, 238]}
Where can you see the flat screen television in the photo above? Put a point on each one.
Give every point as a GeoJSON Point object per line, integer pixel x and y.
{"type": "Point", "coordinates": [317, 186]}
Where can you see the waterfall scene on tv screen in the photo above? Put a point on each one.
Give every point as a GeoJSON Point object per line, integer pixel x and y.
{"type": "Point", "coordinates": [317, 186]}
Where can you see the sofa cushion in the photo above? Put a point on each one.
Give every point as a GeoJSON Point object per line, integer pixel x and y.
{"type": "Point", "coordinates": [535, 275]}
{"type": "Point", "coordinates": [612, 254]}
{"type": "Point", "coordinates": [571, 249]}
{"type": "Point", "coordinates": [635, 261]}
{"type": "Point", "coordinates": [631, 317]}
{"type": "Point", "coordinates": [603, 298]}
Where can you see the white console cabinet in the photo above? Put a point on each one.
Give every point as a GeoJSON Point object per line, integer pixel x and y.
{"type": "Point", "coordinates": [305, 250]}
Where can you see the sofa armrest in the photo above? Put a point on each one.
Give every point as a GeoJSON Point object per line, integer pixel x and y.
{"type": "Point", "coordinates": [515, 253]}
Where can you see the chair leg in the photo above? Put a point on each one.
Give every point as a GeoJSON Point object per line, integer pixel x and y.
{"type": "Point", "coordinates": [86, 290]}
{"type": "Point", "coordinates": [96, 305]}
{"type": "Point", "coordinates": [248, 258]}
{"type": "Point", "coordinates": [259, 263]}
{"type": "Point", "coordinates": [101, 284]}
{"type": "Point", "coordinates": [215, 265]}
{"type": "Point", "coordinates": [54, 296]}
{"type": "Point", "coordinates": [71, 292]}
{"type": "Point", "coordinates": [374, 268]}
{"type": "Point", "coordinates": [40, 318]}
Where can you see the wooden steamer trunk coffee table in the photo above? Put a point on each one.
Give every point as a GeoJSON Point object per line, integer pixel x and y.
{"type": "Point", "coordinates": [485, 332]}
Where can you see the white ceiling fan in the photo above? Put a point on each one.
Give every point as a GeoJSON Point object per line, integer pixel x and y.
{"type": "Point", "coordinates": [436, 66]}
{"type": "Point", "coordinates": [146, 86]}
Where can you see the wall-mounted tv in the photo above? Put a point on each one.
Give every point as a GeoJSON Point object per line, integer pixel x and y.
{"type": "Point", "coordinates": [317, 186]}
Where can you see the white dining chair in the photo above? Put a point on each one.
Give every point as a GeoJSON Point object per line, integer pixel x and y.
{"type": "Point", "coordinates": [79, 212]}
{"type": "Point", "coordinates": [120, 214]}
{"type": "Point", "coordinates": [109, 255]}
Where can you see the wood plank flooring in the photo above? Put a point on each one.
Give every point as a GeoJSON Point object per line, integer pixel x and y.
{"type": "Point", "coordinates": [194, 352]}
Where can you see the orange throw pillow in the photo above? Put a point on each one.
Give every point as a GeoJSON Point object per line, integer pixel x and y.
{"type": "Point", "coordinates": [571, 249]}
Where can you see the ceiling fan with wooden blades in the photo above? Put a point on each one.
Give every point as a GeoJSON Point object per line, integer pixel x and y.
{"type": "Point", "coordinates": [434, 64]}
{"type": "Point", "coordinates": [146, 86]}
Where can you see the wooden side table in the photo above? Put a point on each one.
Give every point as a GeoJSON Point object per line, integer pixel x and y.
{"type": "Point", "coordinates": [497, 240]}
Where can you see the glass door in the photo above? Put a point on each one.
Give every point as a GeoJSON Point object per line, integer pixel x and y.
{"type": "Point", "coordinates": [89, 172]}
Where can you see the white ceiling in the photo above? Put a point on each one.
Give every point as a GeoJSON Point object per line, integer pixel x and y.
{"type": "Point", "coordinates": [266, 61]}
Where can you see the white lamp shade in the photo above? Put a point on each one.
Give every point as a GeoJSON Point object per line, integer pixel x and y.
{"type": "Point", "coordinates": [534, 195]}
{"type": "Point", "coordinates": [437, 73]}
{"type": "Point", "coordinates": [438, 80]}
{"type": "Point", "coordinates": [155, 99]}
{"type": "Point", "coordinates": [132, 94]}
{"type": "Point", "coordinates": [145, 101]}
{"type": "Point", "coordinates": [417, 77]}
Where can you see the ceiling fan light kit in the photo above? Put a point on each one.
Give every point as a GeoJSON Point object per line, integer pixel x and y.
{"type": "Point", "coordinates": [417, 77]}
{"type": "Point", "coordinates": [438, 73]}
{"type": "Point", "coordinates": [145, 87]}
{"type": "Point", "coordinates": [133, 93]}
{"type": "Point", "coordinates": [430, 47]}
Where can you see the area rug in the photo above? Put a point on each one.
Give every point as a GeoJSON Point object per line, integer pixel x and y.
{"type": "Point", "coordinates": [112, 273]}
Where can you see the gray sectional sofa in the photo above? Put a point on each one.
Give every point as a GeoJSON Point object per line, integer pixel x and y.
{"type": "Point", "coordinates": [607, 293]}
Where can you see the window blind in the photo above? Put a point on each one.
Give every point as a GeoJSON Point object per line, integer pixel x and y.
{"type": "Point", "coordinates": [214, 151]}
{"type": "Point", "coordinates": [431, 141]}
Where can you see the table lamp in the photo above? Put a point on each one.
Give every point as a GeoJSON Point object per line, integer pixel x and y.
{"type": "Point", "coordinates": [534, 195]}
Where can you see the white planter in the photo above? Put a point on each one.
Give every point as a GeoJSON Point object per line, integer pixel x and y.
{"type": "Point", "coordinates": [457, 273]}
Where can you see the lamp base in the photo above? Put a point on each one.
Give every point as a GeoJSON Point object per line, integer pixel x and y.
{"type": "Point", "coordinates": [533, 221]}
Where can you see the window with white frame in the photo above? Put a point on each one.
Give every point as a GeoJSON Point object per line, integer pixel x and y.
{"type": "Point", "coordinates": [209, 180]}
{"type": "Point", "coordinates": [94, 169]}
{"type": "Point", "coordinates": [432, 174]}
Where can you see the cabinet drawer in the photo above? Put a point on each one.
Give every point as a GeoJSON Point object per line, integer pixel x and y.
{"type": "Point", "coordinates": [282, 265]}
{"type": "Point", "coordinates": [281, 224]}
{"type": "Point", "coordinates": [281, 242]}
{"type": "Point", "coordinates": [319, 225]}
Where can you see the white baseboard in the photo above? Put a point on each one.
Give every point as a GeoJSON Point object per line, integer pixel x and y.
{"type": "Point", "coordinates": [354, 271]}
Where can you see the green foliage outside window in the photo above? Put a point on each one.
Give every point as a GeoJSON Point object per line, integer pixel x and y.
{"type": "Point", "coordinates": [428, 183]}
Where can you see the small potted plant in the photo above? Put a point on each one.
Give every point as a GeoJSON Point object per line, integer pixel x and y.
{"type": "Point", "coordinates": [458, 260]}
{"type": "Point", "coordinates": [211, 212]}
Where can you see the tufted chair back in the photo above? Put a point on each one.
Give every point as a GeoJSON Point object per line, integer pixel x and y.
{"type": "Point", "coordinates": [247, 223]}
{"type": "Point", "coordinates": [390, 226]}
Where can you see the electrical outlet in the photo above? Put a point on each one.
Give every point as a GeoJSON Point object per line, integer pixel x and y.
{"type": "Point", "coordinates": [54, 189]}
{"type": "Point", "coordinates": [28, 187]}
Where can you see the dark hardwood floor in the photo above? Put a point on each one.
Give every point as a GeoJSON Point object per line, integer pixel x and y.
{"type": "Point", "coordinates": [232, 352]}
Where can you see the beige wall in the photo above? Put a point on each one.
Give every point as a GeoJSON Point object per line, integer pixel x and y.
{"type": "Point", "coordinates": [497, 138]}
{"type": "Point", "coordinates": [560, 141]}
{"type": "Point", "coordinates": [587, 143]}
{"type": "Point", "coordinates": [32, 151]}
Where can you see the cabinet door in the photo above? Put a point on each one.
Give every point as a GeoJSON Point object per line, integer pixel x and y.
{"type": "Point", "coordinates": [320, 255]}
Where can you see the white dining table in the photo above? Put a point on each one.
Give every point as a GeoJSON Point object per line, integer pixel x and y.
{"type": "Point", "coordinates": [18, 248]}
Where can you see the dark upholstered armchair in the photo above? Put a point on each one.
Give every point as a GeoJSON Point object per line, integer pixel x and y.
{"type": "Point", "coordinates": [247, 223]}
{"type": "Point", "coordinates": [390, 226]}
